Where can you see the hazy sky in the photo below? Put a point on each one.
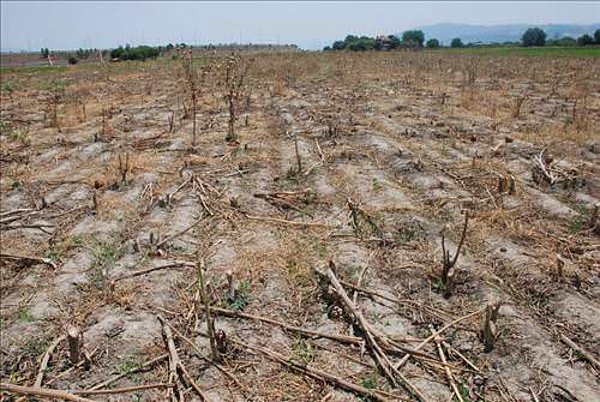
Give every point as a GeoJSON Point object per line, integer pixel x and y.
{"type": "Point", "coordinates": [309, 24]}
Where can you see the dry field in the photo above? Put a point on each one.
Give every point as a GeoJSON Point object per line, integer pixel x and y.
{"type": "Point", "coordinates": [323, 241]}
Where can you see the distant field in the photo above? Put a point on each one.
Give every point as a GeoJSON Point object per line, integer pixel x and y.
{"type": "Point", "coordinates": [531, 51]}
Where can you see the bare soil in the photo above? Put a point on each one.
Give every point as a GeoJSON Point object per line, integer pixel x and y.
{"type": "Point", "coordinates": [414, 141]}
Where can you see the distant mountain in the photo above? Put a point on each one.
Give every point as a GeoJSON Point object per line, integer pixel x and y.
{"type": "Point", "coordinates": [445, 32]}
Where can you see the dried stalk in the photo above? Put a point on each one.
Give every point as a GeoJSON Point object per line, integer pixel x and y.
{"type": "Point", "coordinates": [41, 392]}
{"type": "Point", "coordinates": [45, 360]}
{"type": "Point", "coordinates": [214, 351]}
{"type": "Point", "coordinates": [378, 354]}
{"type": "Point", "coordinates": [449, 376]}
{"type": "Point", "coordinates": [448, 272]}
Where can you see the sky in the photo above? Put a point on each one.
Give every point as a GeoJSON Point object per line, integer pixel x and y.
{"type": "Point", "coordinates": [31, 25]}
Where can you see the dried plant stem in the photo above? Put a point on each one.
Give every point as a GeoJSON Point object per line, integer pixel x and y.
{"type": "Point", "coordinates": [316, 374]}
{"type": "Point", "coordinates": [142, 367]}
{"type": "Point", "coordinates": [141, 272]}
{"type": "Point", "coordinates": [378, 354]}
{"type": "Point", "coordinates": [449, 376]}
{"type": "Point", "coordinates": [438, 332]}
{"type": "Point", "coordinates": [45, 360]}
{"type": "Point", "coordinates": [123, 390]}
{"type": "Point", "coordinates": [46, 261]}
{"type": "Point", "coordinates": [43, 393]}
{"type": "Point", "coordinates": [214, 351]}
{"type": "Point", "coordinates": [582, 352]}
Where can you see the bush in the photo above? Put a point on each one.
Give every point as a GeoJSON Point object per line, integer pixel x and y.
{"type": "Point", "coordinates": [564, 42]}
{"type": "Point", "coordinates": [134, 53]}
{"type": "Point", "coordinates": [73, 60]}
{"type": "Point", "coordinates": [533, 37]}
{"type": "Point", "coordinates": [433, 43]}
{"type": "Point", "coordinates": [585, 40]}
{"type": "Point", "coordinates": [456, 42]}
{"type": "Point", "coordinates": [339, 45]}
{"type": "Point", "coordinates": [597, 36]}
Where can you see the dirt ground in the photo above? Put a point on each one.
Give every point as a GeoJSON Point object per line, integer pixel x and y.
{"type": "Point", "coordinates": [364, 160]}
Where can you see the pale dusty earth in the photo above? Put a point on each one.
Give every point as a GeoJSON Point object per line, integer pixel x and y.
{"type": "Point", "coordinates": [408, 137]}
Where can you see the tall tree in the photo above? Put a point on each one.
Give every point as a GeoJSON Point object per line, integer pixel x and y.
{"type": "Point", "coordinates": [433, 43]}
{"type": "Point", "coordinates": [414, 38]}
{"type": "Point", "coordinates": [585, 40]}
{"type": "Point", "coordinates": [533, 37]}
{"type": "Point", "coordinates": [456, 42]}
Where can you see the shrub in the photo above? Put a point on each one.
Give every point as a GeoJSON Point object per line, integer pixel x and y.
{"type": "Point", "coordinates": [456, 42]}
{"type": "Point", "coordinates": [433, 43]}
{"type": "Point", "coordinates": [585, 40]}
{"type": "Point", "coordinates": [533, 37]}
{"type": "Point", "coordinates": [134, 53]}
{"type": "Point", "coordinates": [73, 60]}
{"type": "Point", "coordinates": [597, 36]}
{"type": "Point", "coordinates": [414, 38]}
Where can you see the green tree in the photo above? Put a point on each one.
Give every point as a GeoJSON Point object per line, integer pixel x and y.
{"type": "Point", "coordinates": [339, 45]}
{"type": "Point", "coordinates": [362, 43]}
{"type": "Point", "coordinates": [414, 38]}
{"type": "Point", "coordinates": [585, 40]}
{"type": "Point", "coordinates": [597, 36]}
{"type": "Point", "coordinates": [456, 42]}
{"type": "Point", "coordinates": [533, 37]}
{"type": "Point", "coordinates": [565, 41]}
{"type": "Point", "coordinates": [433, 43]}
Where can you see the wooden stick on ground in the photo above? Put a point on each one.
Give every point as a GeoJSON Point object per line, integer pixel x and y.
{"type": "Point", "coordinates": [315, 373]}
{"type": "Point", "coordinates": [177, 371]}
{"type": "Point", "coordinates": [438, 332]}
{"type": "Point", "coordinates": [430, 310]}
{"type": "Point", "coordinates": [123, 390]}
{"type": "Point", "coordinates": [148, 270]}
{"type": "Point", "coordinates": [144, 366]}
{"type": "Point", "coordinates": [46, 261]}
{"type": "Point", "coordinates": [378, 354]}
{"type": "Point", "coordinates": [202, 356]}
{"type": "Point", "coordinates": [181, 232]}
{"type": "Point", "coordinates": [174, 362]}
{"type": "Point", "coordinates": [42, 393]}
{"type": "Point", "coordinates": [582, 352]}
{"type": "Point", "coordinates": [307, 332]}
{"type": "Point", "coordinates": [45, 360]}
{"type": "Point", "coordinates": [451, 381]}
{"type": "Point", "coordinates": [287, 222]}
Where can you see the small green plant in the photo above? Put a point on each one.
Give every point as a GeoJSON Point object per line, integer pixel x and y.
{"type": "Point", "coordinates": [8, 87]}
{"type": "Point", "coordinates": [242, 297]}
{"type": "Point", "coordinates": [106, 254]}
{"type": "Point", "coordinates": [376, 184]}
{"type": "Point", "coordinates": [465, 393]}
{"type": "Point", "coordinates": [303, 351]}
{"type": "Point", "coordinates": [369, 382]}
{"type": "Point", "coordinates": [25, 315]}
{"type": "Point", "coordinates": [580, 221]}
{"type": "Point", "coordinates": [21, 135]}
{"type": "Point", "coordinates": [438, 285]}
{"type": "Point", "coordinates": [35, 347]}
{"type": "Point", "coordinates": [53, 255]}
{"type": "Point", "coordinates": [125, 367]}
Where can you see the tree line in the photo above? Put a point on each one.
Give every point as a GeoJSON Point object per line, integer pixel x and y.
{"type": "Point", "coordinates": [416, 39]}
{"type": "Point", "coordinates": [537, 37]}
